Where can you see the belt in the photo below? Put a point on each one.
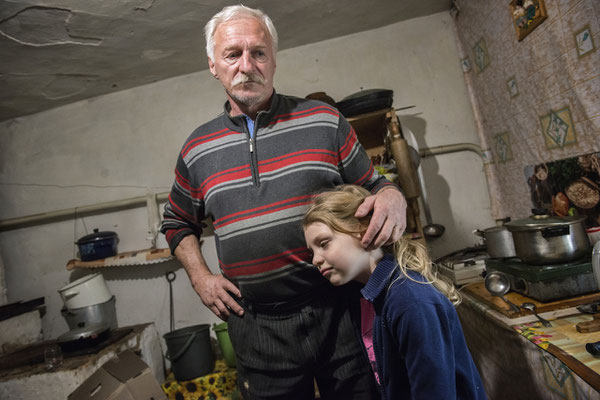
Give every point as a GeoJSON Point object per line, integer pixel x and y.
{"type": "Point", "coordinates": [290, 305]}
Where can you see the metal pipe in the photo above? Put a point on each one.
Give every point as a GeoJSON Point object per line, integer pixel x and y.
{"type": "Point", "coordinates": [69, 213]}
{"type": "Point", "coordinates": [141, 201]}
{"type": "Point", "coordinates": [452, 148]}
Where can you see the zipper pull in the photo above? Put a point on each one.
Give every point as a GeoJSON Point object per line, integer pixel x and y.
{"type": "Point", "coordinates": [251, 146]}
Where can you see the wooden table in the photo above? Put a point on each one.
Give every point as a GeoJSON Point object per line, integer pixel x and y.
{"type": "Point", "coordinates": [518, 358]}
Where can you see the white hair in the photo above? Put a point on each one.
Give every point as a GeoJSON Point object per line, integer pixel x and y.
{"type": "Point", "coordinates": [233, 12]}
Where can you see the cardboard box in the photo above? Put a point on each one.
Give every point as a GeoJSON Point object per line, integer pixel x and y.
{"type": "Point", "coordinates": [126, 377]}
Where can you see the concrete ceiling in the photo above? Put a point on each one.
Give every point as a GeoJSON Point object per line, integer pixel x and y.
{"type": "Point", "coordinates": [62, 51]}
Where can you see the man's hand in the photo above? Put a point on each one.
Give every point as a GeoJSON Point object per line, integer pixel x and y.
{"type": "Point", "coordinates": [389, 217]}
{"type": "Point", "coordinates": [213, 291]}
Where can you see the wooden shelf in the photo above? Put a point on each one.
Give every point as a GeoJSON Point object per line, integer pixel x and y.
{"type": "Point", "coordinates": [138, 257]}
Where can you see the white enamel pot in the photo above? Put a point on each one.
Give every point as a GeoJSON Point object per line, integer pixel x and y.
{"type": "Point", "coordinates": [87, 291]}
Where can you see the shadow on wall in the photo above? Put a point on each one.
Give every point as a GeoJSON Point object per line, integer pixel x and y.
{"type": "Point", "coordinates": [436, 187]}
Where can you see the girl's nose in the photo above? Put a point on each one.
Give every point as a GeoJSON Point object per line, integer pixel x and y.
{"type": "Point", "coordinates": [317, 261]}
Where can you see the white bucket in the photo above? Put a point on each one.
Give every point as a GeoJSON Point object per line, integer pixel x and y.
{"type": "Point", "coordinates": [86, 291]}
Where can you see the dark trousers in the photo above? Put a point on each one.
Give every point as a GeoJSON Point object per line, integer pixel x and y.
{"type": "Point", "coordinates": [281, 353]}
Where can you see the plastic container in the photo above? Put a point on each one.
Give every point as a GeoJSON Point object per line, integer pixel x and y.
{"type": "Point", "coordinates": [190, 352]}
{"type": "Point", "coordinates": [86, 291]}
{"type": "Point", "coordinates": [225, 343]}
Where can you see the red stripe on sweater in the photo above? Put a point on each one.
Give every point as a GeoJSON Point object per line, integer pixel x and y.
{"type": "Point", "coordinates": [303, 156]}
{"type": "Point", "coordinates": [184, 183]}
{"type": "Point", "coordinates": [259, 214]}
{"type": "Point", "coordinates": [180, 211]}
{"type": "Point", "coordinates": [348, 144]}
{"type": "Point", "coordinates": [266, 264]}
{"type": "Point", "coordinates": [205, 139]}
{"type": "Point", "coordinates": [304, 113]}
{"type": "Point", "coordinates": [253, 211]}
{"type": "Point", "coordinates": [172, 232]}
{"type": "Point", "coordinates": [365, 177]}
{"type": "Point", "coordinates": [241, 172]}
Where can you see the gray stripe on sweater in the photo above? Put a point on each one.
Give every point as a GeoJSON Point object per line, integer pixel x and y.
{"type": "Point", "coordinates": [259, 223]}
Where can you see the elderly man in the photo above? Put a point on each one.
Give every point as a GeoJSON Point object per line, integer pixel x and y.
{"type": "Point", "coordinates": [252, 170]}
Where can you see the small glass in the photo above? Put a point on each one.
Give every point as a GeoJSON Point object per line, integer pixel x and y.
{"type": "Point", "coordinates": [52, 357]}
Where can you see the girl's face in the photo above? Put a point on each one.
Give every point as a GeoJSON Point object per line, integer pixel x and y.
{"type": "Point", "coordinates": [339, 256]}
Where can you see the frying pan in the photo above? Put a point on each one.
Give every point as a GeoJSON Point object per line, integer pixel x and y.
{"type": "Point", "coordinates": [82, 338]}
{"type": "Point", "coordinates": [365, 101]}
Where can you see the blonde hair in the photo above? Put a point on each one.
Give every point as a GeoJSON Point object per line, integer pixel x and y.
{"type": "Point", "coordinates": [336, 209]}
{"type": "Point", "coordinates": [232, 12]}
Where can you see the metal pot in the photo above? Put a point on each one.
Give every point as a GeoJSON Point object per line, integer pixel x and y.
{"type": "Point", "coordinates": [97, 245]}
{"type": "Point", "coordinates": [542, 239]}
{"type": "Point", "coordinates": [498, 241]}
{"type": "Point", "coordinates": [596, 262]}
{"type": "Point", "coordinates": [103, 313]}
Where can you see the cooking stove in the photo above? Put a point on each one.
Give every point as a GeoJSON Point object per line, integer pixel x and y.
{"type": "Point", "coordinates": [546, 282]}
{"type": "Point", "coordinates": [33, 355]}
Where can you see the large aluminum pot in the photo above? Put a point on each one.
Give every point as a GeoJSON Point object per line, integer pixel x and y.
{"type": "Point", "coordinates": [86, 291]}
{"type": "Point", "coordinates": [498, 241]}
{"type": "Point", "coordinates": [542, 239]}
{"type": "Point", "coordinates": [596, 262]}
{"type": "Point", "coordinates": [102, 313]}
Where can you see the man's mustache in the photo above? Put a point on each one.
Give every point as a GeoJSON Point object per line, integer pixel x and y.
{"type": "Point", "coordinates": [248, 78]}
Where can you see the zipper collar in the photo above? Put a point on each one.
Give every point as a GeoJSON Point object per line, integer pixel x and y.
{"type": "Point", "coordinates": [263, 118]}
{"type": "Point", "coordinates": [379, 280]}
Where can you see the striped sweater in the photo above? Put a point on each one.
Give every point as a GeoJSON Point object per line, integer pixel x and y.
{"type": "Point", "coordinates": [256, 190]}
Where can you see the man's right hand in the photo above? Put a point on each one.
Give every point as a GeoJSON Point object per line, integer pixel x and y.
{"type": "Point", "coordinates": [213, 291]}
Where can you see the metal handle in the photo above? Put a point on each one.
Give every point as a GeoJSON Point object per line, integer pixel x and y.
{"type": "Point", "coordinates": [554, 231]}
{"type": "Point", "coordinates": [182, 350]}
{"type": "Point", "coordinates": [70, 294]}
{"type": "Point", "coordinates": [593, 348]}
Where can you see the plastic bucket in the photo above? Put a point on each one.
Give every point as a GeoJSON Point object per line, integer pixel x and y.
{"type": "Point", "coordinates": [225, 343]}
{"type": "Point", "coordinates": [190, 352]}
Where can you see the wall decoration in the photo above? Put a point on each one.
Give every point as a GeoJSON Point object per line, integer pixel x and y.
{"type": "Point", "coordinates": [567, 187]}
{"type": "Point", "coordinates": [558, 129]}
{"type": "Point", "coordinates": [584, 42]}
{"type": "Point", "coordinates": [527, 15]}
{"type": "Point", "coordinates": [466, 64]}
{"type": "Point", "coordinates": [503, 150]}
{"type": "Point", "coordinates": [512, 86]}
{"type": "Point", "coordinates": [480, 54]}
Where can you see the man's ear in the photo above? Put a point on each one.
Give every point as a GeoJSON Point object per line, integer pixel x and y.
{"type": "Point", "coordinates": [211, 66]}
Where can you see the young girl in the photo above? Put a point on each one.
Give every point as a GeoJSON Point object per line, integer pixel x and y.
{"type": "Point", "coordinates": [409, 326]}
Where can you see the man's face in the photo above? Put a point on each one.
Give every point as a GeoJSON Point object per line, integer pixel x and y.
{"type": "Point", "coordinates": [244, 61]}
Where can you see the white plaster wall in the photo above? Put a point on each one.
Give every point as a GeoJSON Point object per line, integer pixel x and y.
{"type": "Point", "coordinates": [125, 144]}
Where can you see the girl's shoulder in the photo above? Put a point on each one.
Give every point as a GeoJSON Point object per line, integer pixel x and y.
{"type": "Point", "coordinates": [411, 291]}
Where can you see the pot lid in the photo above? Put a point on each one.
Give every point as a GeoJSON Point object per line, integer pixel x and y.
{"type": "Point", "coordinates": [90, 331]}
{"type": "Point", "coordinates": [92, 237]}
{"type": "Point", "coordinates": [369, 93]}
{"type": "Point", "coordinates": [495, 229]}
{"type": "Point", "coordinates": [540, 220]}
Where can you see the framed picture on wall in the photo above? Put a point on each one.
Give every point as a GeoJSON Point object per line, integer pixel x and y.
{"type": "Point", "coordinates": [527, 15]}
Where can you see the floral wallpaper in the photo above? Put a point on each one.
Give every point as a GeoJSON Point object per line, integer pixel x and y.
{"type": "Point", "coordinates": [536, 100]}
